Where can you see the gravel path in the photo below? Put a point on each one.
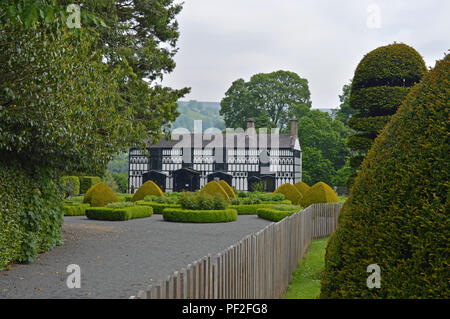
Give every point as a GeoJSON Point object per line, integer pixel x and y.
{"type": "Point", "coordinates": [117, 259]}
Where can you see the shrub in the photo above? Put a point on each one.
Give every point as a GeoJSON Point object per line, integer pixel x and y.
{"type": "Point", "coordinates": [157, 207]}
{"type": "Point", "coordinates": [381, 82]}
{"type": "Point", "coordinates": [214, 189]}
{"type": "Point", "coordinates": [290, 192]}
{"type": "Point", "coordinates": [100, 195]}
{"type": "Point", "coordinates": [276, 214]}
{"type": "Point", "coordinates": [162, 200]}
{"type": "Point", "coordinates": [319, 193]}
{"type": "Point", "coordinates": [302, 187]}
{"type": "Point", "coordinates": [199, 216]}
{"type": "Point", "coordinates": [397, 215]}
{"type": "Point", "coordinates": [75, 209]}
{"type": "Point", "coordinates": [31, 210]}
{"type": "Point", "coordinates": [202, 201]}
{"type": "Point", "coordinates": [227, 188]}
{"type": "Point", "coordinates": [120, 205]}
{"type": "Point", "coordinates": [119, 214]}
{"type": "Point", "coordinates": [70, 185]}
{"type": "Point", "coordinates": [250, 209]}
{"type": "Point", "coordinates": [87, 182]}
{"type": "Point", "coordinates": [148, 188]}
{"type": "Point", "coordinates": [124, 197]}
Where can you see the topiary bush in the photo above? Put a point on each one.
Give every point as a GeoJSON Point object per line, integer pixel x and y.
{"type": "Point", "coordinates": [381, 82]}
{"type": "Point", "coordinates": [227, 188]}
{"type": "Point", "coordinates": [199, 216]}
{"type": "Point", "coordinates": [157, 207]}
{"type": "Point", "coordinates": [119, 214]}
{"type": "Point", "coordinates": [87, 182]}
{"type": "Point", "coordinates": [75, 209]}
{"type": "Point", "coordinates": [302, 187]}
{"type": "Point", "coordinates": [274, 214]}
{"type": "Point", "coordinates": [397, 215]}
{"type": "Point", "coordinates": [70, 185]}
{"type": "Point", "coordinates": [202, 201]}
{"type": "Point", "coordinates": [215, 189]}
{"type": "Point", "coordinates": [290, 192]}
{"type": "Point", "coordinates": [148, 188]}
{"type": "Point", "coordinates": [319, 193]}
{"type": "Point", "coordinates": [100, 195]}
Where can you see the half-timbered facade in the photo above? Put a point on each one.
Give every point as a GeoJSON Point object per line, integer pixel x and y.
{"type": "Point", "coordinates": [242, 159]}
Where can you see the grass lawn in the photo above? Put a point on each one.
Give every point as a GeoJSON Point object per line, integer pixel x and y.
{"type": "Point", "coordinates": [305, 281]}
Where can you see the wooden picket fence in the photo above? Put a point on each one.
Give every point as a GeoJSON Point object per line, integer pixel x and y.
{"type": "Point", "coordinates": [258, 266]}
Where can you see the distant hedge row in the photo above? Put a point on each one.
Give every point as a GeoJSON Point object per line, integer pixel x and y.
{"type": "Point", "coordinates": [199, 216]}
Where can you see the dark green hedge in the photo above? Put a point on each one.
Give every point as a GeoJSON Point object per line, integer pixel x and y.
{"type": "Point", "coordinates": [369, 124]}
{"type": "Point", "coordinates": [252, 209]}
{"type": "Point", "coordinates": [31, 211]}
{"type": "Point", "coordinates": [356, 161]}
{"type": "Point", "coordinates": [360, 142]}
{"type": "Point", "coordinates": [157, 207]}
{"type": "Point", "coordinates": [70, 185]}
{"type": "Point", "coordinates": [398, 213]}
{"type": "Point", "coordinates": [378, 100]}
{"type": "Point", "coordinates": [87, 182]}
{"type": "Point", "coordinates": [199, 216]}
{"type": "Point", "coordinates": [392, 65]}
{"type": "Point", "coordinates": [75, 209]}
{"type": "Point", "coordinates": [119, 214]}
{"type": "Point", "coordinates": [273, 214]}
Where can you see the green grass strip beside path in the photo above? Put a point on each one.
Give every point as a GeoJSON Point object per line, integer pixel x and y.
{"type": "Point", "coordinates": [305, 281]}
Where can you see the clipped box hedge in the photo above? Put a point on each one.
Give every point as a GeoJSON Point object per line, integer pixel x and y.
{"type": "Point", "coordinates": [157, 207]}
{"type": "Point", "coordinates": [75, 209]}
{"type": "Point", "coordinates": [70, 185]}
{"type": "Point", "coordinates": [252, 209]}
{"type": "Point", "coordinates": [199, 216]}
{"type": "Point", "coordinates": [369, 124]}
{"type": "Point", "coordinates": [274, 214]}
{"type": "Point", "coordinates": [87, 182]}
{"type": "Point", "coordinates": [119, 214]}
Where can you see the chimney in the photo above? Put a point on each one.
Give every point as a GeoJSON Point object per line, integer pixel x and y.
{"type": "Point", "coordinates": [294, 128]}
{"type": "Point", "coordinates": [251, 126]}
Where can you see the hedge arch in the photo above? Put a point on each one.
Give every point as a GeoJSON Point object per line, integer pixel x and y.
{"type": "Point", "coordinates": [227, 188]}
{"type": "Point", "coordinates": [213, 188]}
{"type": "Point", "coordinates": [290, 192]}
{"type": "Point", "coordinates": [381, 82]}
{"type": "Point", "coordinates": [148, 188]}
{"type": "Point", "coordinates": [100, 195]}
{"type": "Point", "coordinates": [302, 187]}
{"type": "Point", "coordinates": [397, 215]}
{"type": "Point", "coordinates": [319, 193]}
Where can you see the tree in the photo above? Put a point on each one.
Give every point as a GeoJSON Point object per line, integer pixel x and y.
{"type": "Point", "coordinates": [397, 215]}
{"type": "Point", "coordinates": [381, 82]}
{"type": "Point", "coordinates": [271, 99]}
{"type": "Point", "coordinates": [344, 112]}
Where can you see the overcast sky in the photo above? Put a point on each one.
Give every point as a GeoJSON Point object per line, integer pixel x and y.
{"type": "Point", "coordinates": [321, 40]}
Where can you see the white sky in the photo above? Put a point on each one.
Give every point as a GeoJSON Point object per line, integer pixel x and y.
{"type": "Point", "coordinates": [321, 40]}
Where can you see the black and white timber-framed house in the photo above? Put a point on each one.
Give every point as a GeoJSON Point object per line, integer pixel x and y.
{"type": "Point", "coordinates": [241, 158]}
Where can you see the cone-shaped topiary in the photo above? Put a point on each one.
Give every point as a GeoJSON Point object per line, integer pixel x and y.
{"type": "Point", "coordinates": [302, 187]}
{"type": "Point", "coordinates": [230, 191]}
{"type": "Point", "coordinates": [100, 195]}
{"type": "Point", "coordinates": [146, 189]}
{"type": "Point", "coordinates": [381, 82]}
{"type": "Point", "coordinates": [319, 193]}
{"type": "Point", "coordinates": [397, 215]}
{"type": "Point", "coordinates": [213, 188]}
{"type": "Point", "coordinates": [289, 192]}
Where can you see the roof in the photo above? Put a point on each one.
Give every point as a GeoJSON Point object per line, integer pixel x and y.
{"type": "Point", "coordinates": [229, 140]}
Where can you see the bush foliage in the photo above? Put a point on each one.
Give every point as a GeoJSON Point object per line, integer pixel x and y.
{"type": "Point", "coordinates": [202, 201]}
{"type": "Point", "coordinates": [227, 188]}
{"type": "Point", "coordinates": [397, 215]}
{"type": "Point", "coordinates": [100, 195]}
{"type": "Point", "coordinates": [302, 187]}
{"type": "Point", "coordinates": [70, 185]}
{"type": "Point", "coordinates": [199, 216]}
{"type": "Point", "coordinates": [319, 193]}
{"type": "Point", "coordinates": [290, 192]}
{"type": "Point", "coordinates": [87, 182]}
{"type": "Point", "coordinates": [213, 188]}
{"type": "Point", "coordinates": [157, 207]}
{"type": "Point", "coordinates": [75, 209]}
{"type": "Point", "coordinates": [277, 213]}
{"type": "Point", "coordinates": [148, 188]}
{"type": "Point", "coordinates": [119, 214]}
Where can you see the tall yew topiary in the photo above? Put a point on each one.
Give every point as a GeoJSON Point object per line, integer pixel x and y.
{"type": "Point", "coordinates": [381, 82]}
{"type": "Point", "coordinates": [397, 215]}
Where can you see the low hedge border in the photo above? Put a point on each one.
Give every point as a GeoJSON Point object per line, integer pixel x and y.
{"type": "Point", "coordinates": [119, 214]}
{"type": "Point", "coordinates": [249, 209]}
{"type": "Point", "coordinates": [157, 207]}
{"type": "Point", "coordinates": [273, 214]}
{"type": "Point", "coordinates": [199, 216]}
{"type": "Point", "coordinates": [75, 210]}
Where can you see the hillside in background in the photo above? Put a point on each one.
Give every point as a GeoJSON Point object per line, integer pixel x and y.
{"type": "Point", "coordinates": [208, 112]}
